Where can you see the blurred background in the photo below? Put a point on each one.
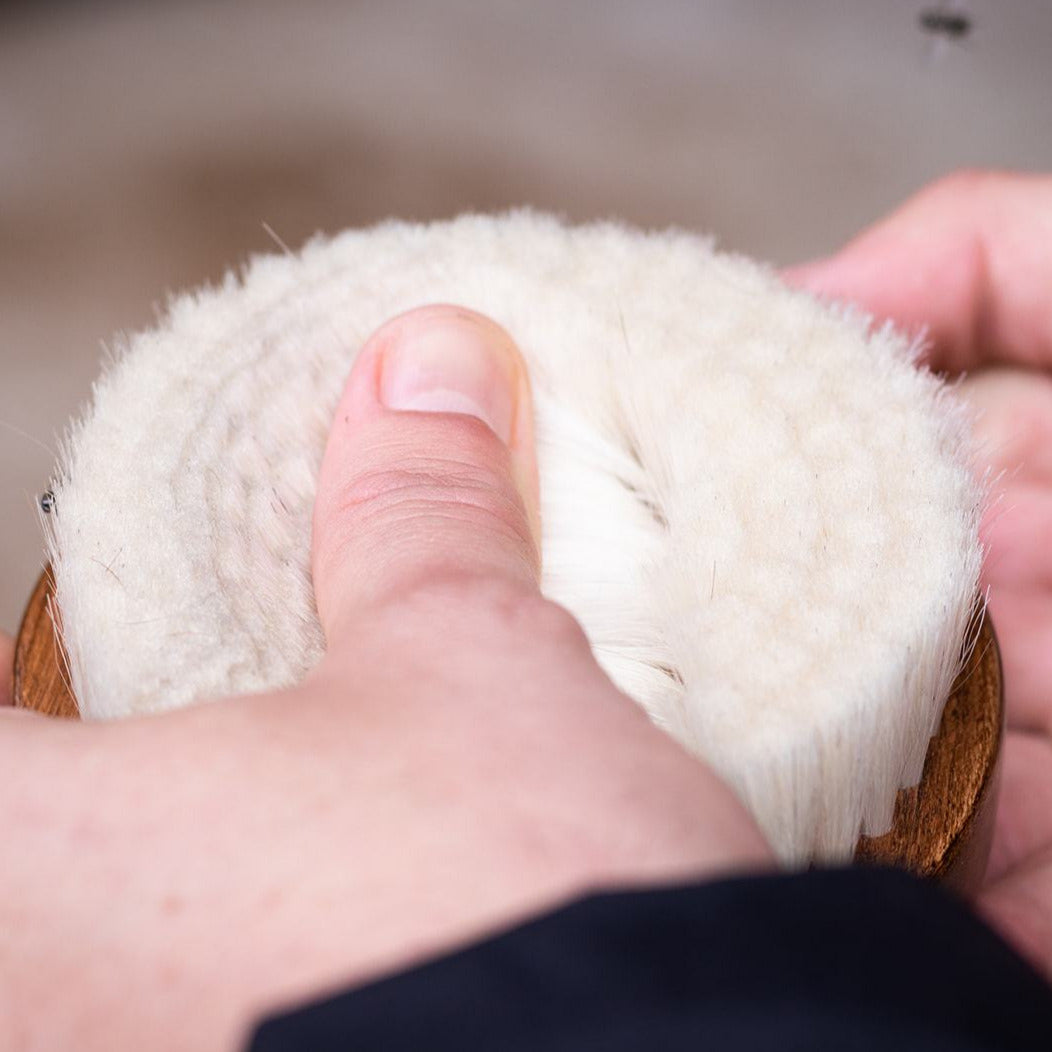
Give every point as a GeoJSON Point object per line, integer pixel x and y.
{"type": "Point", "coordinates": [143, 146]}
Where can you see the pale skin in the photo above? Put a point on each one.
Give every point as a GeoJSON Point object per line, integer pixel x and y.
{"type": "Point", "coordinates": [459, 761]}
{"type": "Point", "coordinates": [456, 763]}
{"type": "Point", "coordinates": [970, 259]}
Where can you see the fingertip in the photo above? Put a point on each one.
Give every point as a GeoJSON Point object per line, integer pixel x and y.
{"type": "Point", "coordinates": [430, 470]}
{"type": "Point", "coordinates": [443, 358]}
{"type": "Point", "coordinates": [810, 276]}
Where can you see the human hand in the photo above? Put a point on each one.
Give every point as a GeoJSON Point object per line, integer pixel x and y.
{"type": "Point", "coordinates": [970, 258]}
{"type": "Point", "coordinates": [457, 761]}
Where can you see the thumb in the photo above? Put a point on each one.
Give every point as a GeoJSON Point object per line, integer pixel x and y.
{"type": "Point", "coordinates": [430, 472]}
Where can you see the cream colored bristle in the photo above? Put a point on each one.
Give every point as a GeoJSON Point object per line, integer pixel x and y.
{"type": "Point", "coordinates": [757, 506]}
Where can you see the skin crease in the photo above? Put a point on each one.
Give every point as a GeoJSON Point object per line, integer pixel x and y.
{"type": "Point", "coordinates": [456, 763]}
{"type": "Point", "coordinates": [970, 259]}
{"type": "Point", "coordinates": [514, 773]}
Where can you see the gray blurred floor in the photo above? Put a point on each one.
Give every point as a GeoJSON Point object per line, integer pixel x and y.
{"type": "Point", "coordinates": [142, 146]}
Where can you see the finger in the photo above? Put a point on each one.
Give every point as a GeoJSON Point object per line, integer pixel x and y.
{"type": "Point", "coordinates": [1013, 422]}
{"type": "Point", "coordinates": [7, 665]}
{"type": "Point", "coordinates": [1024, 806]}
{"type": "Point", "coordinates": [1023, 620]}
{"type": "Point", "coordinates": [1018, 906]}
{"type": "Point", "coordinates": [967, 259]}
{"type": "Point", "coordinates": [430, 472]}
{"type": "Point", "coordinates": [1015, 532]}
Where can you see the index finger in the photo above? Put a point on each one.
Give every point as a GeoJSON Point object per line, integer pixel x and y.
{"type": "Point", "coordinates": [968, 259]}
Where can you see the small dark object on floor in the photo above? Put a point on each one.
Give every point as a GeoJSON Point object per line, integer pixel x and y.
{"type": "Point", "coordinates": [940, 21]}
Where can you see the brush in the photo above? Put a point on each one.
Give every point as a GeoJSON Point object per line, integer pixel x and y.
{"type": "Point", "coordinates": [759, 506]}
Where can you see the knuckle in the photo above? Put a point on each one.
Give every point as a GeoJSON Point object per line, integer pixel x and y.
{"type": "Point", "coordinates": [434, 518]}
{"type": "Point", "coordinates": [430, 487]}
{"type": "Point", "coordinates": [969, 183]}
{"type": "Point", "coordinates": [965, 178]}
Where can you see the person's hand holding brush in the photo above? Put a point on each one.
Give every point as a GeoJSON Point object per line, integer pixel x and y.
{"type": "Point", "coordinates": [459, 762]}
{"type": "Point", "coordinates": [969, 260]}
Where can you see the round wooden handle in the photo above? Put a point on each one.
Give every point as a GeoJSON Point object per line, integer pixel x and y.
{"type": "Point", "coordinates": [942, 827]}
{"type": "Point", "coordinates": [42, 680]}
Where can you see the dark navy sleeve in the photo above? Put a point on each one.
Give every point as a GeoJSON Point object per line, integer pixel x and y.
{"type": "Point", "coordinates": [852, 960]}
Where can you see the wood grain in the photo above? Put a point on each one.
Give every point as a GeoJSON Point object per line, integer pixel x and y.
{"type": "Point", "coordinates": [942, 827]}
{"type": "Point", "coordinates": [41, 668]}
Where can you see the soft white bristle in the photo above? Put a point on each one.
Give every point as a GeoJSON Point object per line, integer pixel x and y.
{"type": "Point", "coordinates": [761, 511]}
